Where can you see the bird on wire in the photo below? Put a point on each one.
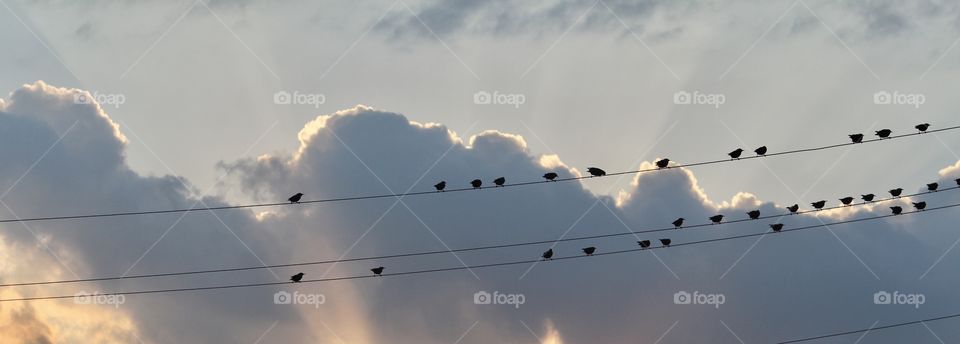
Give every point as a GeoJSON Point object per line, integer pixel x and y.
{"type": "Point", "coordinates": [678, 223]}
{"type": "Point", "coordinates": [377, 270]}
{"type": "Point", "coordinates": [819, 204]}
{"type": "Point", "coordinates": [663, 163]}
{"type": "Point", "coordinates": [547, 255]}
{"type": "Point", "coordinates": [754, 214]}
{"type": "Point", "coordinates": [920, 205]}
{"type": "Point", "coordinates": [499, 181]}
{"type": "Point", "coordinates": [856, 138]}
{"type": "Point", "coordinates": [550, 176]}
{"type": "Point", "coordinates": [295, 198]}
{"type": "Point", "coordinates": [665, 242]}
{"type": "Point", "coordinates": [596, 172]}
{"type": "Point", "coordinates": [644, 243]}
{"type": "Point", "coordinates": [793, 208]}
{"type": "Point", "coordinates": [589, 250]}
{"type": "Point", "coordinates": [896, 209]}
{"type": "Point", "coordinates": [867, 197]}
{"type": "Point", "coordinates": [296, 278]}
{"type": "Point", "coordinates": [439, 186]}
{"type": "Point", "coordinates": [776, 227]}
{"type": "Point", "coordinates": [476, 183]}
{"type": "Point", "coordinates": [735, 154]}
{"type": "Point", "coordinates": [923, 127]}
{"type": "Point", "coordinates": [762, 151]}
{"type": "Point", "coordinates": [846, 200]}
{"type": "Point", "coordinates": [896, 192]}
{"type": "Point", "coordinates": [932, 187]}
{"type": "Point", "coordinates": [884, 133]}
{"type": "Point", "coordinates": [716, 218]}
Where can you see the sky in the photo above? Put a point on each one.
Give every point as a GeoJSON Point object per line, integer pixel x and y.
{"type": "Point", "coordinates": [143, 105]}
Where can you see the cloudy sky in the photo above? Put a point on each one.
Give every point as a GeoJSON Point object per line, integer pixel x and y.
{"type": "Point", "coordinates": [114, 106]}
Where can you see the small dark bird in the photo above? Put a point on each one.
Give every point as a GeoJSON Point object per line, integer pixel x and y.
{"type": "Point", "coordinates": [550, 176]}
{"type": "Point", "coordinates": [896, 210]}
{"type": "Point", "coordinates": [644, 243]}
{"type": "Point", "coordinates": [678, 223]}
{"type": "Point", "coordinates": [754, 214]}
{"type": "Point", "coordinates": [958, 181]}
{"type": "Point", "coordinates": [761, 151]}
{"type": "Point", "coordinates": [793, 208]}
{"type": "Point", "coordinates": [476, 183]}
{"type": "Point", "coordinates": [295, 198]}
{"type": "Point", "coordinates": [665, 242]}
{"type": "Point", "coordinates": [884, 133]}
{"type": "Point", "coordinates": [735, 154]}
{"type": "Point", "coordinates": [932, 187]}
{"type": "Point", "coordinates": [896, 192]}
{"type": "Point", "coordinates": [596, 172]}
{"type": "Point", "coordinates": [846, 200]}
{"type": "Point", "coordinates": [856, 138]}
{"type": "Point", "coordinates": [776, 227]}
{"type": "Point", "coordinates": [589, 250]}
{"type": "Point", "coordinates": [296, 278]}
{"type": "Point", "coordinates": [819, 204]}
{"type": "Point", "coordinates": [920, 205]}
{"type": "Point", "coordinates": [663, 163]}
{"type": "Point", "coordinates": [716, 218]}
{"type": "Point", "coordinates": [377, 270]}
{"type": "Point", "coordinates": [440, 185]}
{"type": "Point", "coordinates": [867, 197]}
{"type": "Point", "coordinates": [923, 127]}
{"type": "Point", "coordinates": [547, 255]}
{"type": "Point", "coordinates": [500, 181]}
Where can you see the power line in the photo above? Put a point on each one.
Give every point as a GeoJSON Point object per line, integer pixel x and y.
{"type": "Point", "coordinates": [416, 193]}
{"type": "Point", "coordinates": [465, 249]}
{"type": "Point", "coordinates": [465, 267]}
{"type": "Point", "coordinates": [871, 329]}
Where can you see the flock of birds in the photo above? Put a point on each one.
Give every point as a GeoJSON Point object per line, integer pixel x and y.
{"type": "Point", "coordinates": [678, 223]}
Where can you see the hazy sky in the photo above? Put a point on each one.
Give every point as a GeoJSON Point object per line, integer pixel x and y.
{"type": "Point", "coordinates": [237, 101]}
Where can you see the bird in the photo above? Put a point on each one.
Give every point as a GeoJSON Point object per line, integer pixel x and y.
{"type": "Point", "coordinates": [500, 181]}
{"type": "Point", "coordinates": [932, 187]}
{"type": "Point", "coordinates": [295, 198]}
{"type": "Point", "coordinates": [678, 222]}
{"type": "Point", "coordinates": [922, 127]}
{"type": "Point", "coordinates": [856, 138]}
{"type": "Point", "coordinates": [819, 204]}
{"type": "Point", "coordinates": [596, 172]}
{"type": "Point", "coordinates": [920, 205]}
{"type": "Point", "coordinates": [644, 243]}
{"type": "Point", "coordinates": [716, 218]}
{"type": "Point", "coordinates": [776, 227]}
{"type": "Point", "coordinates": [547, 255]}
{"type": "Point", "coordinates": [867, 197]}
{"type": "Point", "coordinates": [476, 183]}
{"type": "Point", "coordinates": [884, 133]}
{"type": "Point", "coordinates": [663, 163]}
{"type": "Point", "coordinates": [296, 278]}
{"type": "Point", "coordinates": [665, 242]}
{"type": "Point", "coordinates": [377, 270]}
{"type": "Point", "coordinates": [896, 210]}
{"type": "Point", "coordinates": [896, 192]}
{"type": "Point", "coordinates": [846, 200]}
{"type": "Point", "coordinates": [550, 176]}
{"type": "Point", "coordinates": [754, 214]}
{"type": "Point", "coordinates": [793, 208]}
{"type": "Point", "coordinates": [589, 250]}
{"type": "Point", "coordinates": [440, 185]}
{"type": "Point", "coordinates": [958, 181]}
{"type": "Point", "coordinates": [762, 151]}
{"type": "Point", "coordinates": [735, 154]}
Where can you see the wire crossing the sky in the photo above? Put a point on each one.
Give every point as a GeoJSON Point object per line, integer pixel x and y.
{"type": "Point", "coordinates": [489, 265]}
{"type": "Point", "coordinates": [871, 329]}
{"type": "Point", "coordinates": [416, 193]}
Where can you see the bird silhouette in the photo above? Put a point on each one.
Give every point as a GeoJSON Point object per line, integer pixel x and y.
{"type": "Point", "coordinates": [296, 278]}
{"type": "Point", "coordinates": [896, 192]}
{"type": "Point", "coordinates": [896, 210]}
{"type": "Point", "coordinates": [678, 222]}
{"type": "Point", "coordinates": [932, 187]}
{"type": "Point", "coordinates": [958, 181]}
{"type": "Point", "coordinates": [589, 250]}
{"type": "Point", "coordinates": [920, 205]}
{"type": "Point", "coordinates": [754, 214]}
{"type": "Point", "coordinates": [550, 176]}
{"type": "Point", "coordinates": [922, 127]}
{"type": "Point", "coordinates": [856, 138]}
{"type": "Point", "coordinates": [644, 243]}
{"type": "Point", "coordinates": [793, 208]}
{"type": "Point", "coordinates": [846, 200]}
{"type": "Point", "coordinates": [716, 218]}
{"type": "Point", "coordinates": [476, 183]}
{"type": "Point", "coordinates": [776, 227]}
{"type": "Point", "coordinates": [440, 185]}
{"type": "Point", "coordinates": [665, 242]}
{"type": "Point", "coordinates": [884, 133]}
{"type": "Point", "coordinates": [761, 151]}
{"type": "Point", "coordinates": [295, 198]}
{"type": "Point", "coordinates": [547, 255]}
{"type": "Point", "coordinates": [735, 154]}
{"type": "Point", "coordinates": [867, 197]}
{"type": "Point", "coordinates": [596, 172]}
{"type": "Point", "coordinates": [819, 204]}
{"type": "Point", "coordinates": [377, 270]}
{"type": "Point", "coordinates": [500, 181]}
{"type": "Point", "coordinates": [663, 163]}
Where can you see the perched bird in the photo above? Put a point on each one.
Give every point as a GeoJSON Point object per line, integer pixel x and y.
{"type": "Point", "coordinates": [547, 255]}
{"type": "Point", "coordinates": [476, 183]}
{"type": "Point", "coordinates": [932, 187]}
{"type": "Point", "coordinates": [596, 172]}
{"type": "Point", "coordinates": [819, 204]}
{"type": "Point", "coordinates": [896, 210]}
{"type": "Point", "coordinates": [896, 192]}
{"type": "Point", "coordinates": [296, 278]}
{"type": "Point", "coordinates": [761, 151]}
{"type": "Point", "coordinates": [678, 222]}
{"type": "Point", "coordinates": [500, 181]}
{"type": "Point", "coordinates": [665, 242]}
{"type": "Point", "coordinates": [846, 200]}
{"type": "Point", "coordinates": [295, 198]}
{"type": "Point", "coordinates": [550, 176]}
{"type": "Point", "coordinates": [776, 227]}
{"type": "Point", "coordinates": [923, 127]}
{"type": "Point", "coordinates": [377, 270]}
{"type": "Point", "coordinates": [644, 243]}
{"type": "Point", "coordinates": [884, 133]}
{"type": "Point", "coordinates": [735, 154]}
{"type": "Point", "coordinates": [793, 208]}
{"type": "Point", "coordinates": [867, 197]}
{"type": "Point", "coordinates": [920, 205]}
{"type": "Point", "coordinates": [958, 181]}
{"type": "Point", "coordinates": [754, 214]}
{"type": "Point", "coordinates": [589, 250]}
{"type": "Point", "coordinates": [716, 218]}
{"type": "Point", "coordinates": [856, 138]}
{"type": "Point", "coordinates": [440, 185]}
{"type": "Point", "coordinates": [663, 163]}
